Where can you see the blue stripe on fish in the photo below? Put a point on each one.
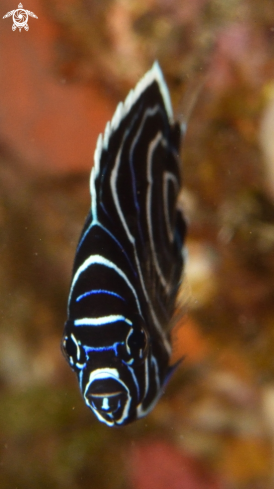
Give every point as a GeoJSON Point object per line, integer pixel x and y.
{"type": "Point", "coordinates": [100, 291]}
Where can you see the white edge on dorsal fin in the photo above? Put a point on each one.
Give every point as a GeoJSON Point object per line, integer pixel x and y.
{"type": "Point", "coordinates": [118, 116]}
{"type": "Point", "coordinates": [97, 154]}
{"type": "Point", "coordinates": [94, 173]}
{"type": "Point", "coordinates": [154, 74]}
{"type": "Point", "coordinates": [106, 134]}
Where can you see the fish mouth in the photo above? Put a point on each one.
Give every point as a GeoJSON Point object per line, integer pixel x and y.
{"type": "Point", "coordinates": [107, 396]}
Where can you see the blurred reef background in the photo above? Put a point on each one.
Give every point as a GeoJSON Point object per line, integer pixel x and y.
{"type": "Point", "coordinates": [59, 84]}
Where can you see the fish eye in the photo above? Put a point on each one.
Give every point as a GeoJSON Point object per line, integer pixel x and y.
{"type": "Point", "coordinates": [137, 343]}
{"type": "Point", "coordinates": [72, 351]}
{"type": "Point", "coordinates": [68, 347]}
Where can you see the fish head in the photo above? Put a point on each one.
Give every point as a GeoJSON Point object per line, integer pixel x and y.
{"type": "Point", "coordinates": [111, 374]}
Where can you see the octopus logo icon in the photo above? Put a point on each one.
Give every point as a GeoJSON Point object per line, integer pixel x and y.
{"type": "Point", "coordinates": [20, 18]}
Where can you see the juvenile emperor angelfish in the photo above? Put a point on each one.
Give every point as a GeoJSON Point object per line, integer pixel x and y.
{"type": "Point", "coordinates": [129, 259]}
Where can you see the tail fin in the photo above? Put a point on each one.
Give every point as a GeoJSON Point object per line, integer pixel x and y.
{"type": "Point", "coordinates": [172, 369]}
{"type": "Point", "coordinates": [189, 100]}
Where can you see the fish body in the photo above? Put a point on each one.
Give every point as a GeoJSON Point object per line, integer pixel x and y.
{"type": "Point", "coordinates": [129, 259]}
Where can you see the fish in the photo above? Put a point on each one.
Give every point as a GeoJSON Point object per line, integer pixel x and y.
{"type": "Point", "coordinates": [129, 260]}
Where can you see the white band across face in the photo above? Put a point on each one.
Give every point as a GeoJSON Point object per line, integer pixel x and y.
{"type": "Point", "coordinates": [103, 374]}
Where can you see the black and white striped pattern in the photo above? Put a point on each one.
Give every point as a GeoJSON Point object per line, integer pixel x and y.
{"type": "Point", "coordinates": [129, 259]}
